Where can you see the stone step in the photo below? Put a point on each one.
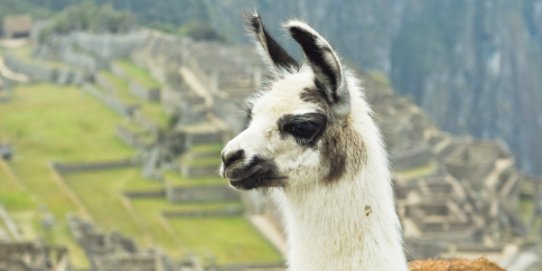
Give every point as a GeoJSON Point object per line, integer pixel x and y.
{"type": "Point", "coordinates": [220, 212]}
{"type": "Point", "coordinates": [206, 193]}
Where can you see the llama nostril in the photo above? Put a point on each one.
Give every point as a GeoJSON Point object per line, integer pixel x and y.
{"type": "Point", "coordinates": [230, 158]}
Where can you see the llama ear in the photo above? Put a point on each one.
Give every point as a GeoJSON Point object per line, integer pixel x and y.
{"type": "Point", "coordinates": [271, 51]}
{"type": "Point", "coordinates": [323, 60]}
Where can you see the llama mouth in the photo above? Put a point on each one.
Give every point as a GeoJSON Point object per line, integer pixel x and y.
{"type": "Point", "coordinates": [258, 172]}
{"type": "Point", "coordinates": [253, 182]}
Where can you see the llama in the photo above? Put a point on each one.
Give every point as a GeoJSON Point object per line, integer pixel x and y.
{"type": "Point", "coordinates": [312, 142]}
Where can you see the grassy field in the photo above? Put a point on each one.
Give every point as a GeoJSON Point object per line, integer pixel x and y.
{"type": "Point", "coordinates": [45, 123]}
{"type": "Point", "coordinates": [141, 219]}
{"type": "Point", "coordinates": [230, 239]}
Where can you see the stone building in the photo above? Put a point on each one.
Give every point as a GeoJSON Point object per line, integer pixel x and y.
{"type": "Point", "coordinates": [16, 26]}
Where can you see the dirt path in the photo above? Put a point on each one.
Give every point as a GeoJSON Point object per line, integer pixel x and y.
{"type": "Point", "coordinates": [270, 232]}
{"type": "Point", "coordinates": [194, 83]}
{"type": "Point", "coordinates": [12, 176]}
{"type": "Point", "coordinates": [57, 177]}
{"type": "Point", "coordinates": [11, 75]}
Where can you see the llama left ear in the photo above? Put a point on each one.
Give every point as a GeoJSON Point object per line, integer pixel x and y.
{"type": "Point", "coordinates": [274, 55]}
{"type": "Point", "coordinates": [324, 63]}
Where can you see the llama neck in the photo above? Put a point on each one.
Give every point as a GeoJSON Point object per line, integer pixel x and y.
{"type": "Point", "coordinates": [349, 225]}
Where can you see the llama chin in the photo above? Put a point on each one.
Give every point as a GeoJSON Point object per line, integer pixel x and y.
{"type": "Point", "coordinates": [311, 135]}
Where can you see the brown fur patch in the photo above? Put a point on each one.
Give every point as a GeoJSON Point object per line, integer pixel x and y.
{"type": "Point", "coordinates": [342, 147]}
{"type": "Point", "coordinates": [480, 264]}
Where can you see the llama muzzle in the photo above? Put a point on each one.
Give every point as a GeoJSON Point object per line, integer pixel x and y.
{"type": "Point", "coordinates": [256, 173]}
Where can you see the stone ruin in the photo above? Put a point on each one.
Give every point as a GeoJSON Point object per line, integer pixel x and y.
{"type": "Point", "coordinates": [32, 256]}
{"type": "Point", "coordinates": [16, 26]}
{"type": "Point", "coordinates": [114, 252]}
{"type": "Point", "coordinates": [6, 152]}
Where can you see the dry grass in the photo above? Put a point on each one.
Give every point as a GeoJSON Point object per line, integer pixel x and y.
{"type": "Point", "coordinates": [480, 264]}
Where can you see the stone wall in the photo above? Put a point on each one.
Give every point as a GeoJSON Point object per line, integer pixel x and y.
{"type": "Point", "coordinates": [65, 168]}
{"type": "Point", "coordinates": [146, 194]}
{"type": "Point", "coordinates": [42, 72]}
{"type": "Point", "coordinates": [32, 256]}
{"type": "Point", "coordinates": [112, 102]}
{"type": "Point", "coordinates": [151, 95]}
{"type": "Point", "coordinates": [108, 46]}
{"type": "Point", "coordinates": [200, 193]}
{"type": "Point", "coordinates": [194, 171]}
{"type": "Point", "coordinates": [195, 138]}
{"type": "Point", "coordinates": [145, 122]}
{"type": "Point", "coordinates": [411, 159]}
{"type": "Point", "coordinates": [132, 139]}
{"type": "Point", "coordinates": [231, 212]}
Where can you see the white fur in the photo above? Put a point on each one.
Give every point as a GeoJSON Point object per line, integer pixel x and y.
{"type": "Point", "coordinates": [349, 224]}
{"type": "Point", "coordinates": [327, 225]}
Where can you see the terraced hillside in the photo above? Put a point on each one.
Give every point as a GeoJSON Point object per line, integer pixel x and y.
{"type": "Point", "coordinates": [50, 124]}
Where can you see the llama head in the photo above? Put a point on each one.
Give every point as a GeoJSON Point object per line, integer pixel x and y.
{"type": "Point", "coordinates": [300, 122]}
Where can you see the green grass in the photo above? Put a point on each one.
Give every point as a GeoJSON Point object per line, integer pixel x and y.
{"type": "Point", "coordinates": [141, 219]}
{"type": "Point", "coordinates": [208, 161]}
{"type": "Point", "coordinates": [133, 127]}
{"type": "Point", "coordinates": [156, 113]}
{"type": "Point", "coordinates": [16, 201]}
{"type": "Point", "coordinates": [138, 74]}
{"type": "Point", "coordinates": [44, 123]}
{"type": "Point", "coordinates": [47, 122]}
{"type": "Point", "coordinates": [207, 148]}
{"type": "Point", "coordinates": [200, 127]}
{"type": "Point", "coordinates": [13, 195]}
{"type": "Point", "coordinates": [160, 229]}
{"type": "Point", "coordinates": [526, 206]}
{"type": "Point", "coordinates": [230, 240]}
{"type": "Point", "coordinates": [101, 193]}
{"type": "Point", "coordinates": [148, 214]}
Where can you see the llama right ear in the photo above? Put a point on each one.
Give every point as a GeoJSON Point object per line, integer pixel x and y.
{"type": "Point", "coordinates": [274, 55]}
{"type": "Point", "coordinates": [325, 64]}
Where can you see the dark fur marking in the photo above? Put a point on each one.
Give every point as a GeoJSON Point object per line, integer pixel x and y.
{"type": "Point", "coordinates": [315, 96]}
{"type": "Point", "coordinates": [287, 125]}
{"type": "Point", "coordinates": [257, 173]}
{"type": "Point", "coordinates": [248, 116]}
{"type": "Point", "coordinates": [368, 210]}
{"type": "Point", "coordinates": [342, 148]}
{"type": "Point", "coordinates": [335, 148]}
{"type": "Point", "coordinates": [315, 55]}
{"type": "Point", "coordinates": [278, 55]}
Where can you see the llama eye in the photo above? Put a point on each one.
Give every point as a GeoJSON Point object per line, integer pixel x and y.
{"type": "Point", "coordinates": [305, 129]}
